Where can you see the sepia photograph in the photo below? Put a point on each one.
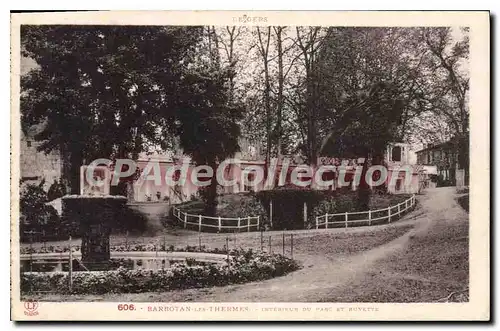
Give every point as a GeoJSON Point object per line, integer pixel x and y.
{"type": "Point", "coordinates": [248, 161]}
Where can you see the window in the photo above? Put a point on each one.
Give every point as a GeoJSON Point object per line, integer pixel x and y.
{"type": "Point", "coordinates": [396, 154]}
{"type": "Point", "coordinates": [28, 143]}
{"type": "Point", "coordinates": [250, 179]}
{"type": "Point", "coordinates": [399, 181]}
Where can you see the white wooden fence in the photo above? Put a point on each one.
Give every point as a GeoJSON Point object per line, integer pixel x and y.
{"type": "Point", "coordinates": [227, 224]}
{"type": "Point", "coordinates": [369, 217]}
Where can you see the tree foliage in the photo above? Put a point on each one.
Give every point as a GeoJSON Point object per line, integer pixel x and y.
{"type": "Point", "coordinates": [116, 91]}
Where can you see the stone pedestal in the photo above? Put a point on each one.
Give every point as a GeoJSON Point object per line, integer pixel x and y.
{"type": "Point", "coordinates": [95, 245]}
{"type": "Point", "coordinates": [93, 218]}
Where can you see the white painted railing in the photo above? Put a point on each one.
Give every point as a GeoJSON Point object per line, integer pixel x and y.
{"type": "Point", "coordinates": [229, 224]}
{"type": "Point", "coordinates": [369, 217]}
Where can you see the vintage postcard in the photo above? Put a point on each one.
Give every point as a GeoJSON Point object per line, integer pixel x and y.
{"type": "Point", "coordinates": [320, 166]}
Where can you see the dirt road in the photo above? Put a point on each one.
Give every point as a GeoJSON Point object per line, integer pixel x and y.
{"type": "Point", "coordinates": [325, 275]}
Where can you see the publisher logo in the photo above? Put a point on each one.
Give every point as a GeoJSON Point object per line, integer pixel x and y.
{"type": "Point", "coordinates": [31, 308]}
{"type": "Point", "coordinates": [250, 19]}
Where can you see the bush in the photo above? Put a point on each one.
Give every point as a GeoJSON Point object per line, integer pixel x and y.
{"type": "Point", "coordinates": [463, 201]}
{"type": "Point", "coordinates": [36, 215]}
{"type": "Point", "coordinates": [110, 210]}
{"type": "Point", "coordinates": [56, 190]}
{"type": "Point", "coordinates": [288, 204]}
{"type": "Point", "coordinates": [244, 266]}
{"type": "Point", "coordinates": [232, 206]}
{"type": "Point", "coordinates": [86, 210]}
{"type": "Point", "coordinates": [246, 205]}
{"type": "Point", "coordinates": [334, 204]}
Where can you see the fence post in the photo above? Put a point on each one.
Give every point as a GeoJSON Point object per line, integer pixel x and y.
{"type": "Point", "coordinates": [389, 210]}
{"type": "Point", "coordinates": [248, 224]}
{"type": "Point", "coordinates": [406, 204]}
{"type": "Point", "coordinates": [220, 224]}
{"type": "Point", "coordinates": [305, 213]}
{"type": "Point", "coordinates": [399, 208]}
{"type": "Point", "coordinates": [326, 221]}
{"type": "Point", "coordinates": [258, 222]}
{"type": "Point", "coordinates": [369, 217]}
{"type": "Point", "coordinates": [227, 248]}
{"type": "Point", "coordinates": [283, 243]}
{"type": "Point", "coordinates": [199, 241]}
{"type": "Point", "coordinates": [271, 212]}
{"type": "Point", "coordinates": [261, 241]}
{"type": "Point", "coordinates": [185, 220]}
{"type": "Point", "coordinates": [239, 223]}
{"type": "Point", "coordinates": [199, 223]}
{"type": "Point", "coordinates": [317, 222]}
{"type": "Point", "coordinates": [70, 271]}
{"type": "Point", "coordinates": [126, 241]}
{"type": "Point", "coordinates": [346, 217]}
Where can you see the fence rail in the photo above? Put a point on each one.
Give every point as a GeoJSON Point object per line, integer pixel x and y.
{"type": "Point", "coordinates": [229, 224]}
{"type": "Point", "coordinates": [370, 217]}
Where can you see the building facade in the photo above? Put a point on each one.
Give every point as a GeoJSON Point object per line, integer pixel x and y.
{"type": "Point", "coordinates": [445, 158]}
{"type": "Point", "coordinates": [36, 166]}
{"type": "Point", "coordinates": [402, 175]}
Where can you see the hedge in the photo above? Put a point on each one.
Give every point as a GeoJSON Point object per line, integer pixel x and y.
{"type": "Point", "coordinates": [110, 210]}
{"type": "Point", "coordinates": [127, 248]}
{"type": "Point", "coordinates": [245, 266]}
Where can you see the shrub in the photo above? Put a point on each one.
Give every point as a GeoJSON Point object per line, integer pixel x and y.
{"type": "Point", "coordinates": [56, 190]}
{"type": "Point", "coordinates": [36, 215]}
{"type": "Point", "coordinates": [244, 266]}
{"type": "Point", "coordinates": [232, 206]}
{"type": "Point", "coordinates": [78, 210]}
{"type": "Point", "coordinates": [334, 204]}
{"type": "Point", "coordinates": [463, 201]}
{"type": "Point", "coordinates": [246, 205]}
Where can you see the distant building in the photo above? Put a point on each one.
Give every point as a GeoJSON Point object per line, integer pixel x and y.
{"type": "Point", "coordinates": [402, 175]}
{"type": "Point", "coordinates": [399, 161]}
{"type": "Point", "coordinates": [444, 157]}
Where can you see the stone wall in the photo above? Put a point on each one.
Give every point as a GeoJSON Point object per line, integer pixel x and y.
{"type": "Point", "coordinates": [35, 165]}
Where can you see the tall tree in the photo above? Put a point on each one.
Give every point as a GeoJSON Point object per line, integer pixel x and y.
{"type": "Point", "coordinates": [370, 86]}
{"type": "Point", "coordinates": [449, 81]}
{"type": "Point", "coordinates": [112, 91]}
{"type": "Point", "coordinates": [264, 39]}
{"type": "Point", "coordinates": [206, 123]}
{"type": "Point", "coordinates": [278, 30]}
{"type": "Point", "coordinates": [309, 40]}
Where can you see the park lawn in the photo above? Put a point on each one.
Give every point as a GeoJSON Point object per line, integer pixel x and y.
{"type": "Point", "coordinates": [434, 267]}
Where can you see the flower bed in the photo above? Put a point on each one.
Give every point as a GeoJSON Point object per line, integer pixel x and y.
{"type": "Point", "coordinates": [245, 266]}
{"type": "Point", "coordinates": [126, 248]}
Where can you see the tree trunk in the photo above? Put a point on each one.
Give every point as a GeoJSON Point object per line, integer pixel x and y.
{"type": "Point", "coordinates": [75, 162]}
{"type": "Point", "coordinates": [210, 195]}
{"type": "Point", "coordinates": [280, 90]}
{"type": "Point", "coordinates": [264, 52]}
{"type": "Point", "coordinates": [268, 115]}
{"type": "Point", "coordinates": [364, 190]}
